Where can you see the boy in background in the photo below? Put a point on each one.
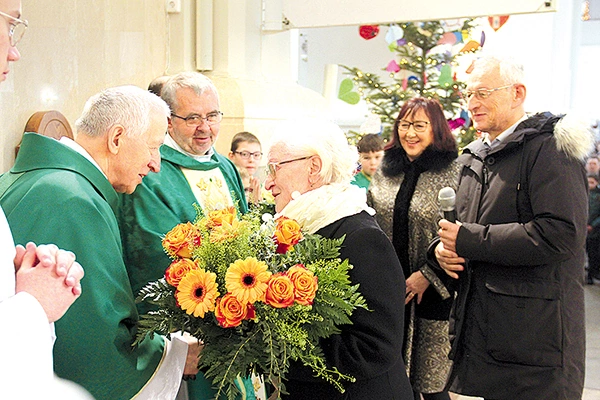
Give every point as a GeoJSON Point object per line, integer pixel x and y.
{"type": "Point", "coordinates": [370, 149]}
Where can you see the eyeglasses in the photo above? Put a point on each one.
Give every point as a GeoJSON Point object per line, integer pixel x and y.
{"type": "Point", "coordinates": [482, 94]}
{"type": "Point", "coordinates": [418, 126]}
{"type": "Point", "coordinates": [246, 155]}
{"type": "Point", "coordinates": [17, 28]}
{"type": "Point", "coordinates": [273, 167]}
{"type": "Point", "coordinates": [196, 120]}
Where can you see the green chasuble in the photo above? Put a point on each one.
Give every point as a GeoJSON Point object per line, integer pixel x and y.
{"type": "Point", "coordinates": [162, 201]}
{"type": "Point", "coordinates": [62, 198]}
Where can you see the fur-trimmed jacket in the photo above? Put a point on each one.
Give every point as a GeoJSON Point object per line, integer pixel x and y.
{"type": "Point", "coordinates": [518, 320]}
{"type": "Point", "coordinates": [405, 196]}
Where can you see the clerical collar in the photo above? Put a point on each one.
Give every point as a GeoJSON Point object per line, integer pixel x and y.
{"type": "Point", "coordinates": [169, 141]}
{"type": "Point", "coordinates": [78, 148]}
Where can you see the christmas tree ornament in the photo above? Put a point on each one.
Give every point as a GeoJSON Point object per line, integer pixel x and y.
{"type": "Point", "coordinates": [422, 66]}
{"type": "Point", "coordinates": [456, 123]}
{"type": "Point", "coordinates": [447, 38]}
{"type": "Point", "coordinates": [424, 32]}
{"type": "Point", "coordinates": [471, 46]}
{"type": "Point", "coordinates": [392, 66]}
{"type": "Point", "coordinates": [459, 36]}
{"type": "Point", "coordinates": [368, 32]}
{"type": "Point", "coordinates": [394, 33]}
{"type": "Point", "coordinates": [346, 93]}
{"type": "Point", "coordinates": [497, 21]}
{"type": "Point", "coordinates": [445, 78]}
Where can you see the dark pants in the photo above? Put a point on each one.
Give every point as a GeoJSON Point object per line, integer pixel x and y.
{"type": "Point", "coordinates": [593, 251]}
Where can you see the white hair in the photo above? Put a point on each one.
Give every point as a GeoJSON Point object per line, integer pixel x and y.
{"type": "Point", "coordinates": [305, 137]}
{"type": "Point", "coordinates": [511, 71]}
{"type": "Point", "coordinates": [129, 106]}
{"type": "Point", "coordinates": [193, 80]}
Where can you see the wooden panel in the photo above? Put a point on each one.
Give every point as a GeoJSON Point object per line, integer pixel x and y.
{"type": "Point", "coordinates": [48, 123]}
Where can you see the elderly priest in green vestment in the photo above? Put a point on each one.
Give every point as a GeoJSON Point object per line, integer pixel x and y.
{"type": "Point", "coordinates": [191, 172]}
{"type": "Point", "coordinates": [73, 185]}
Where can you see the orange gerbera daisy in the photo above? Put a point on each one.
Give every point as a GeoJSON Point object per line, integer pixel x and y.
{"type": "Point", "coordinates": [247, 280]}
{"type": "Point", "coordinates": [197, 292]}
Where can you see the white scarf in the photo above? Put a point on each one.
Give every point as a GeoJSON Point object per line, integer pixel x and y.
{"type": "Point", "coordinates": [320, 207]}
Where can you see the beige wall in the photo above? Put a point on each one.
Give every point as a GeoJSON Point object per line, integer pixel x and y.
{"type": "Point", "coordinates": [73, 49]}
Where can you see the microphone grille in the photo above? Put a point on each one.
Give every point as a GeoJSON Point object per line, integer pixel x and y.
{"type": "Point", "coordinates": [447, 198]}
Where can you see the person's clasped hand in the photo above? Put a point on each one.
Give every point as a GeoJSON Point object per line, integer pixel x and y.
{"type": "Point", "coordinates": [49, 274]}
{"type": "Point", "coordinates": [445, 251]}
{"type": "Point", "coordinates": [195, 346]}
{"type": "Point", "coordinates": [416, 284]}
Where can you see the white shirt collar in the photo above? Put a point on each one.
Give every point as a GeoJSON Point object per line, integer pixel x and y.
{"type": "Point", "coordinates": [169, 141]}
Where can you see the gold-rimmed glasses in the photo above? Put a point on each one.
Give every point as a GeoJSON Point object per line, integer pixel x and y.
{"type": "Point", "coordinates": [482, 94]}
{"type": "Point", "coordinates": [273, 167]}
{"type": "Point", "coordinates": [17, 28]}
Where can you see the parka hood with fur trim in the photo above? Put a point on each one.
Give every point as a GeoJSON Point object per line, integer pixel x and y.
{"type": "Point", "coordinates": [572, 134]}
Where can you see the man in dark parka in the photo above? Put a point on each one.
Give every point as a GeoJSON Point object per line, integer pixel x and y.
{"type": "Point", "coordinates": [518, 250]}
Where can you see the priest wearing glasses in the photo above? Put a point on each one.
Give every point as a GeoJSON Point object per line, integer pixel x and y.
{"type": "Point", "coordinates": [191, 172]}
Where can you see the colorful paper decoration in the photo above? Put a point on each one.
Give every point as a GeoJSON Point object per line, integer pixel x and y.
{"type": "Point", "coordinates": [368, 32]}
{"type": "Point", "coordinates": [456, 123]}
{"type": "Point", "coordinates": [392, 66]}
{"type": "Point", "coordinates": [445, 78]}
{"type": "Point", "coordinates": [497, 21]}
{"type": "Point", "coordinates": [447, 38]}
{"type": "Point", "coordinates": [470, 46]}
{"type": "Point", "coordinates": [394, 33]}
{"type": "Point", "coordinates": [346, 93]}
{"type": "Point", "coordinates": [459, 36]}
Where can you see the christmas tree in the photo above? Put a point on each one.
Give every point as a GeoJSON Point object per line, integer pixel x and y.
{"type": "Point", "coordinates": [422, 66]}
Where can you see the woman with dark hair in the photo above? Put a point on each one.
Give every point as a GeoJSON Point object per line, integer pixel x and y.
{"type": "Point", "coordinates": [418, 162]}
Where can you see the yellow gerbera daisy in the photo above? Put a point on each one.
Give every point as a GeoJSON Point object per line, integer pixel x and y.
{"type": "Point", "coordinates": [197, 292]}
{"type": "Point", "coordinates": [247, 280]}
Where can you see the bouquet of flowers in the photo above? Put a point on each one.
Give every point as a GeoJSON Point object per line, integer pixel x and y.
{"type": "Point", "coordinates": [257, 291]}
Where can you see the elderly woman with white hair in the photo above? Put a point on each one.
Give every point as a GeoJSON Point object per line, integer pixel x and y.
{"type": "Point", "coordinates": [310, 166]}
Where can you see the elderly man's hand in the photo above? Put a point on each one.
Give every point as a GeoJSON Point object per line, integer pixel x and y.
{"type": "Point", "coordinates": [450, 262]}
{"type": "Point", "coordinates": [448, 233]}
{"type": "Point", "coordinates": [50, 275]}
{"type": "Point", "coordinates": [195, 346]}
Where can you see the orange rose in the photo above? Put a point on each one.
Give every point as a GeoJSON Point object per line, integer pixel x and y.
{"type": "Point", "coordinates": [305, 284]}
{"type": "Point", "coordinates": [287, 234]}
{"type": "Point", "coordinates": [280, 291]}
{"type": "Point", "coordinates": [178, 269]}
{"type": "Point", "coordinates": [221, 217]}
{"type": "Point", "coordinates": [230, 312]}
{"type": "Point", "coordinates": [180, 241]}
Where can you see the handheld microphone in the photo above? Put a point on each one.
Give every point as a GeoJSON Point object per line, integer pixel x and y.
{"type": "Point", "coordinates": [447, 199]}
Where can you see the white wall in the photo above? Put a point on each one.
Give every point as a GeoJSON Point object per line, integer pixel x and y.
{"type": "Point", "coordinates": [71, 50]}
